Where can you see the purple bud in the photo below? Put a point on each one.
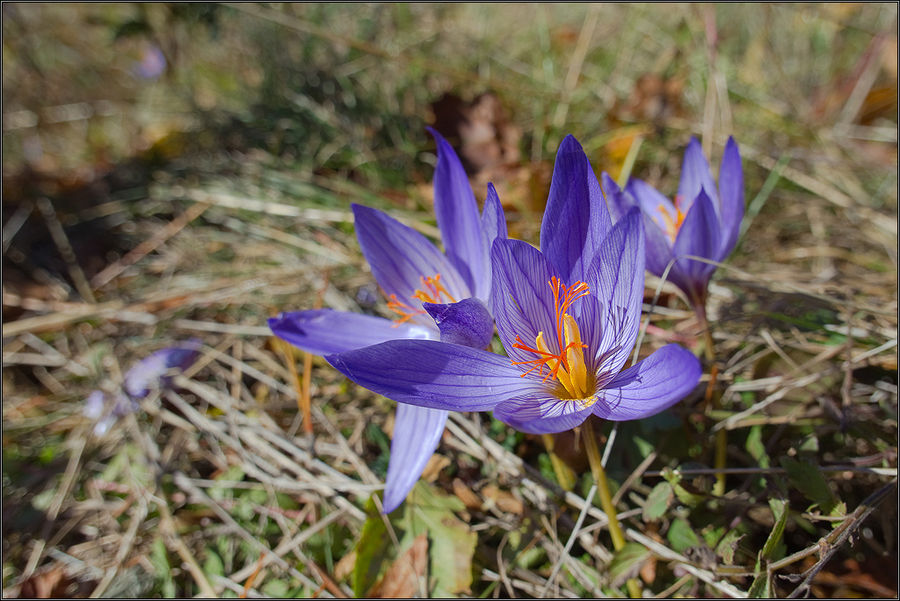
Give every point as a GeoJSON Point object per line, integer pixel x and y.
{"type": "Point", "coordinates": [151, 372]}
{"type": "Point", "coordinates": [467, 322]}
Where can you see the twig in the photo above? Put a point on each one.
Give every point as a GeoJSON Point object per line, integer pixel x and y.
{"type": "Point", "coordinates": [58, 234]}
{"type": "Point", "coordinates": [830, 544]}
{"type": "Point", "coordinates": [147, 246]}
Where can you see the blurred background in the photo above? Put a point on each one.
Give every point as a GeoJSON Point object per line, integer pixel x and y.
{"type": "Point", "coordinates": [171, 166]}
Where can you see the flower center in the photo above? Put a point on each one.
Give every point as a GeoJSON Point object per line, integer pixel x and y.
{"type": "Point", "coordinates": [432, 291]}
{"type": "Point", "coordinates": [567, 366]}
{"type": "Point", "coordinates": [671, 226]}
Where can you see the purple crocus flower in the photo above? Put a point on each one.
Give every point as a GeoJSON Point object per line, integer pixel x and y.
{"type": "Point", "coordinates": [436, 296]}
{"type": "Point", "coordinates": [152, 372]}
{"type": "Point", "coordinates": [568, 317]}
{"type": "Point", "coordinates": [701, 222]}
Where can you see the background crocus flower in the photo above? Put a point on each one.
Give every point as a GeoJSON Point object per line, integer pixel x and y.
{"type": "Point", "coordinates": [700, 222]}
{"type": "Point", "coordinates": [152, 372]}
{"type": "Point", "coordinates": [423, 286]}
{"type": "Point", "coordinates": [568, 317]}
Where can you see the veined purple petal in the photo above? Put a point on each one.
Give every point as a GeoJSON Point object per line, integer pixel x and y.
{"type": "Point", "coordinates": [400, 257]}
{"type": "Point", "coordinates": [649, 386]}
{"type": "Point", "coordinates": [433, 374]}
{"type": "Point", "coordinates": [658, 247]}
{"type": "Point", "coordinates": [457, 217]}
{"type": "Point", "coordinates": [695, 176]}
{"type": "Point", "coordinates": [324, 331]}
{"type": "Point", "coordinates": [617, 200]}
{"type": "Point", "coordinates": [417, 432]}
{"type": "Point", "coordinates": [731, 195]}
{"type": "Point", "coordinates": [467, 322]}
{"type": "Point", "coordinates": [542, 414]}
{"type": "Point", "coordinates": [699, 236]}
{"type": "Point", "coordinates": [150, 372]}
{"type": "Point", "coordinates": [493, 221]}
{"type": "Point", "coordinates": [576, 218]}
{"type": "Point", "coordinates": [651, 202]}
{"type": "Point", "coordinates": [522, 300]}
{"type": "Point", "coordinates": [617, 281]}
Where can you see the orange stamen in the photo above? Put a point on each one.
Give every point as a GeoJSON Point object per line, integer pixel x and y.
{"type": "Point", "coordinates": [432, 291]}
{"type": "Point", "coordinates": [672, 226]}
{"type": "Point", "coordinates": [558, 364]}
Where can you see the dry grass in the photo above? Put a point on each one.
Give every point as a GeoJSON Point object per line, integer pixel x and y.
{"type": "Point", "coordinates": [236, 206]}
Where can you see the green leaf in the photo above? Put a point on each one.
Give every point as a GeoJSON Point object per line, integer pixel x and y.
{"type": "Point", "coordinates": [657, 501]}
{"type": "Point", "coordinates": [212, 564]}
{"type": "Point", "coordinates": [773, 547]}
{"type": "Point", "coordinates": [371, 551]}
{"type": "Point", "coordinates": [684, 495]}
{"type": "Point", "coordinates": [451, 543]}
{"type": "Point", "coordinates": [681, 536]}
{"type": "Point", "coordinates": [159, 559]}
{"type": "Point", "coordinates": [275, 588]}
{"type": "Point", "coordinates": [728, 545]}
{"type": "Point", "coordinates": [756, 448]}
{"type": "Point", "coordinates": [626, 562]}
{"type": "Point", "coordinates": [809, 480]}
{"type": "Point", "coordinates": [761, 587]}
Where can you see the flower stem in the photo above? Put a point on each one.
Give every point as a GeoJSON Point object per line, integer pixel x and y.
{"type": "Point", "coordinates": [564, 474]}
{"type": "Point", "coordinates": [720, 457]}
{"type": "Point", "coordinates": [599, 473]}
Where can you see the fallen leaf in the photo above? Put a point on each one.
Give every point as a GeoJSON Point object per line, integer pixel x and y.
{"type": "Point", "coordinates": [403, 577]}
{"type": "Point", "coordinates": [465, 494]}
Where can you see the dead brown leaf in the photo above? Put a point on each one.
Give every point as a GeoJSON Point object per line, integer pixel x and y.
{"type": "Point", "coordinates": [402, 579]}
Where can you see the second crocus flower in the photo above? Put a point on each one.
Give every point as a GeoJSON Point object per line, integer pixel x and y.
{"type": "Point", "coordinates": [703, 221]}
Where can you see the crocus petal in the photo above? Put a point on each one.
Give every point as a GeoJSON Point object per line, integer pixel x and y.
{"type": "Point", "coordinates": [417, 432]}
{"type": "Point", "coordinates": [94, 405]}
{"type": "Point", "coordinates": [649, 386]}
{"type": "Point", "coordinates": [457, 217]}
{"type": "Point", "coordinates": [433, 374]}
{"type": "Point", "coordinates": [699, 236]}
{"type": "Point", "coordinates": [493, 221]}
{"type": "Point", "coordinates": [617, 280]}
{"type": "Point", "coordinates": [542, 414]}
{"type": "Point", "coordinates": [400, 256]}
{"type": "Point", "coordinates": [651, 201]}
{"type": "Point", "coordinates": [148, 373]}
{"type": "Point", "coordinates": [573, 225]}
{"type": "Point", "coordinates": [618, 201]}
{"type": "Point", "coordinates": [695, 176]}
{"type": "Point", "coordinates": [467, 322]}
{"type": "Point", "coordinates": [522, 300]}
{"type": "Point", "coordinates": [324, 331]}
{"type": "Point", "coordinates": [731, 195]}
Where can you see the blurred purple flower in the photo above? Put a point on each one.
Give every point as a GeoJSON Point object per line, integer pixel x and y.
{"type": "Point", "coordinates": [152, 63]}
{"type": "Point", "coordinates": [150, 373]}
{"type": "Point", "coordinates": [701, 222]}
{"type": "Point", "coordinates": [568, 316]}
{"type": "Point", "coordinates": [434, 295]}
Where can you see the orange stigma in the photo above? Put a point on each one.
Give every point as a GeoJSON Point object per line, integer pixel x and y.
{"type": "Point", "coordinates": [568, 365]}
{"type": "Point", "coordinates": [671, 226]}
{"type": "Point", "coordinates": [432, 291]}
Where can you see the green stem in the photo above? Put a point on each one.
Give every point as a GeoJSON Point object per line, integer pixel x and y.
{"type": "Point", "coordinates": [720, 457]}
{"type": "Point", "coordinates": [599, 473]}
{"type": "Point", "coordinates": [564, 474]}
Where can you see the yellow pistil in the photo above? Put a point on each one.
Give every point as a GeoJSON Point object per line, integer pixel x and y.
{"type": "Point", "coordinates": [568, 366]}
{"type": "Point", "coordinates": [432, 291]}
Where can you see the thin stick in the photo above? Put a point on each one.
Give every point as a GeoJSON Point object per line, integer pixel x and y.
{"type": "Point", "coordinates": [58, 234]}
{"type": "Point", "coordinates": [147, 246]}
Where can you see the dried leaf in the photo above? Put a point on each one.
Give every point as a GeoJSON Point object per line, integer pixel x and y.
{"type": "Point", "coordinates": [502, 499]}
{"type": "Point", "coordinates": [403, 577]}
{"type": "Point", "coordinates": [465, 494]}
